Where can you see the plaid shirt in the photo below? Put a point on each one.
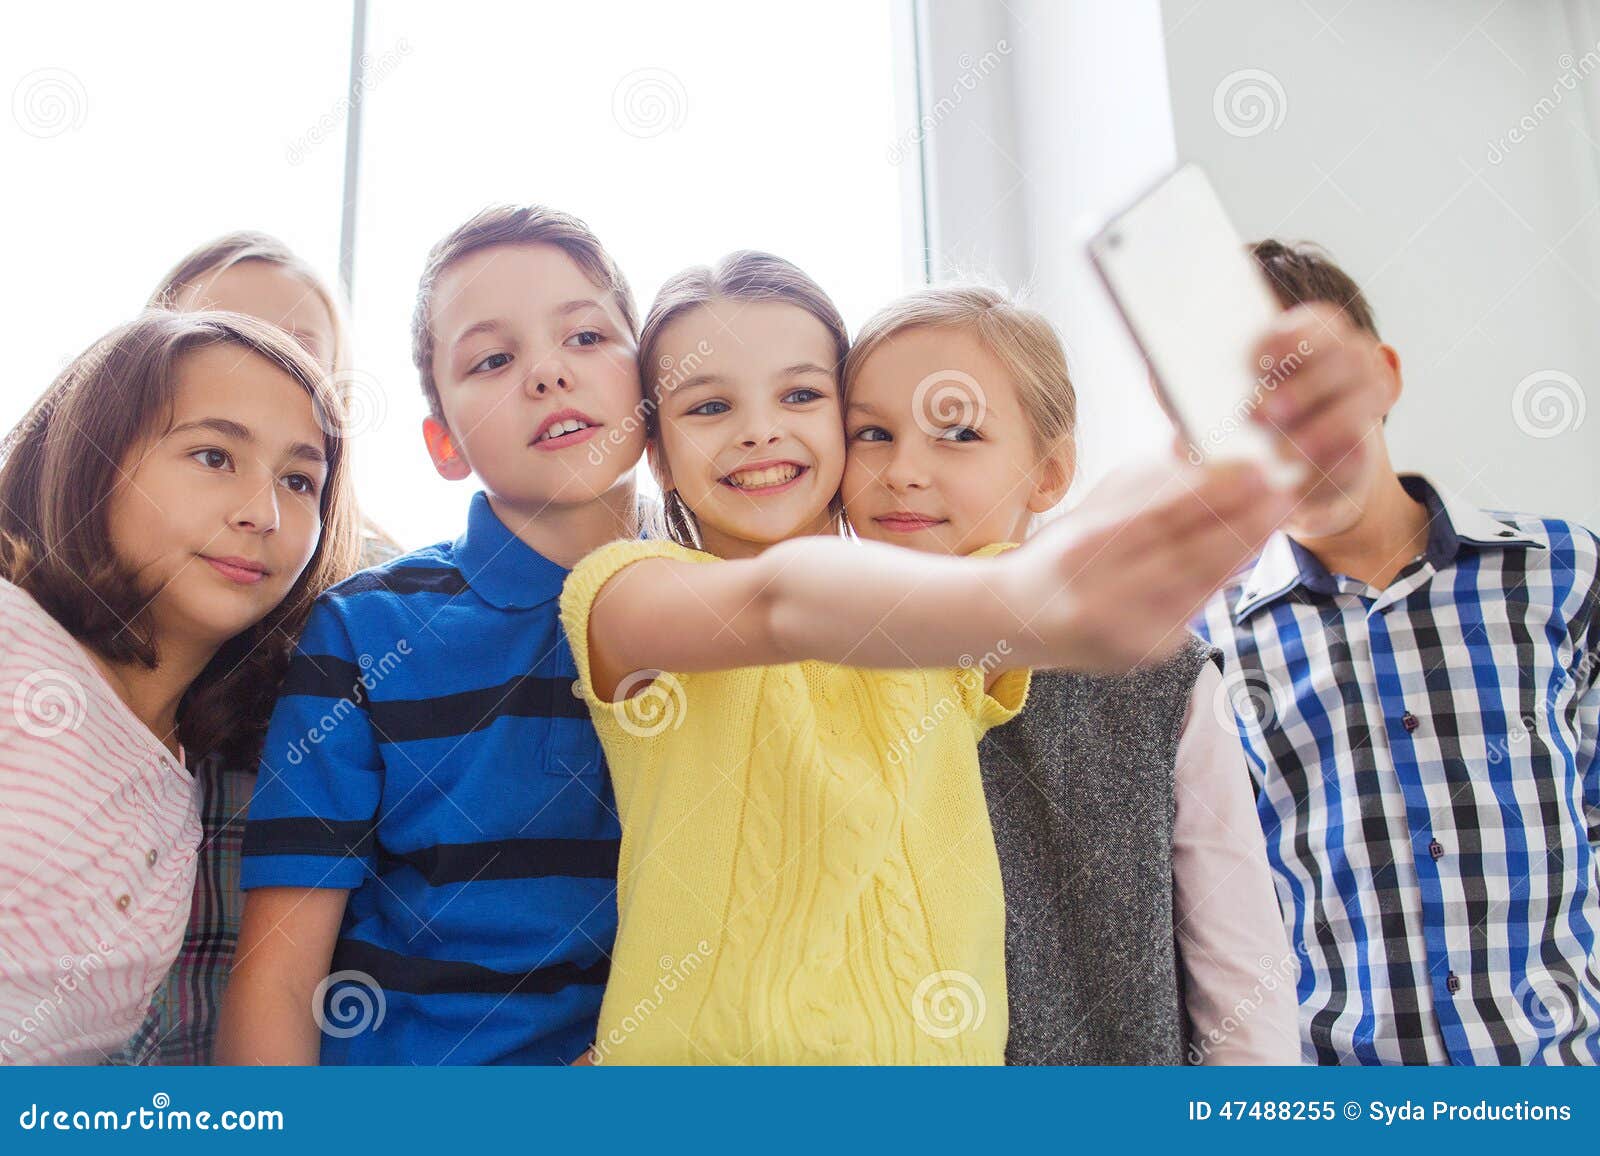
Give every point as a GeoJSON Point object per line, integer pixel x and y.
{"type": "Point", "coordinates": [181, 1025]}
{"type": "Point", "coordinates": [1429, 788]}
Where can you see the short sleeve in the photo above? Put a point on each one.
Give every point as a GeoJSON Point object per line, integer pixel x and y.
{"type": "Point", "coordinates": [578, 596]}
{"type": "Point", "coordinates": [1002, 702]}
{"type": "Point", "coordinates": [314, 812]}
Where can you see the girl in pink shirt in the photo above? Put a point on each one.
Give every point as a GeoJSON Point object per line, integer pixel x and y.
{"type": "Point", "coordinates": [168, 511]}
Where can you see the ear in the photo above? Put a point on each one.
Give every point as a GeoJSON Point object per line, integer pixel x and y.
{"type": "Point", "coordinates": [1394, 384]}
{"type": "Point", "coordinates": [442, 449]}
{"type": "Point", "coordinates": [1052, 479]}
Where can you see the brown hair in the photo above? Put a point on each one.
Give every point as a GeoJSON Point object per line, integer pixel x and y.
{"type": "Point", "coordinates": [512, 225]}
{"type": "Point", "coordinates": [1301, 272]}
{"type": "Point", "coordinates": [1019, 338]}
{"type": "Point", "coordinates": [222, 253]}
{"type": "Point", "coordinates": [744, 275]}
{"type": "Point", "coordinates": [59, 465]}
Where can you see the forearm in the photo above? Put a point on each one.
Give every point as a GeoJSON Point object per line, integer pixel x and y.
{"type": "Point", "coordinates": [886, 607]}
{"type": "Point", "coordinates": [286, 938]}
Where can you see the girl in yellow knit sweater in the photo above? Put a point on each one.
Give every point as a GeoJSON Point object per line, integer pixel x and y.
{"type": "Point", "coordinates": [807, 871]}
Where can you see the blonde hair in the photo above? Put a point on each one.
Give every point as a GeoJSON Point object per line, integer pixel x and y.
{"type": "Point", "coordinates": [1020, 338]}
{"type": "Point", "coordinates": [744, 275]}
{"type": "Point", "coordinates": [226, 251]}
{"type": "Point", "coordinates": [512, 225]}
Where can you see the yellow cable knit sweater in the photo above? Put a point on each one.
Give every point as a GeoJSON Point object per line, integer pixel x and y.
{"type": "Point", "coordinates": [807, 872]}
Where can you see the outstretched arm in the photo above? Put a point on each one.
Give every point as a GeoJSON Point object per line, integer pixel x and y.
{"type": "Point", "coordinates": [1106, 588]}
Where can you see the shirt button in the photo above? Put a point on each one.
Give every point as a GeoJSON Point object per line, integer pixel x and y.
{"type": "Point", "coordinates": [123, 901]}
{"type": "Point", "coordinates": [1452, 983]}
{"type": "Point", "coordinates": [1436, 848]}
{"type": "Point", "coordinates": [151, 856]}
{"type": "Point", "coordinates": [1410, 721]}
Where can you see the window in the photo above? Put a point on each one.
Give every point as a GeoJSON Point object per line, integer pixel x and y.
{"type": "Point", "coordinates": [678, 134]}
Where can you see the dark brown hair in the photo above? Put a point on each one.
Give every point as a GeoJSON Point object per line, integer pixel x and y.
{"type": "Point", "coordinates": [59, 465]}
{"type": "Point", "coordinates": [1301, 272]}
{"type": "Point", "coordinates": [512, 225]}
{"type": "Point", "coordinates": [744, 275]}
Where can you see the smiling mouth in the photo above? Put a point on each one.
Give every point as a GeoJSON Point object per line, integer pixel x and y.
{"type": "Point", "coordinates": [568, 431]}
{"type": "Point", "coordinates": [766, 480]}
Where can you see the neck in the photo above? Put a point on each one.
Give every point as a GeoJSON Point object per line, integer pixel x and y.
{"type": "Point", "coordinates": [1392, 530]}
{"type": "Point", "coordinates": [565, 534]}
{"type": "Point", "coordinates": [153, 694]}
{"type": "Point", "coordinates": [727, 546]}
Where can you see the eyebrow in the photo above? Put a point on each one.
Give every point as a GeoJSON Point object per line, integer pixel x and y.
{"type": "Point", "coordinates": [565, 309]}
{"type": "Point", "coordinates": [805, 367]}
{"type": "Point", "coordinates": [232, 429]}
{"type": "Point", "coordinates": [863, 406]}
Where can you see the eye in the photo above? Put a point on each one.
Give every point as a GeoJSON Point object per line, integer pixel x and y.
{"type": "Point", "coordinates": [704, 409]}
{"type": "Point", "coordinates": [872, 433]}
{"type": "Point", "coordinates": [801, 396]}
{"type": "Point", "coordinates": [301, 484]}
{"type": "Point", "coordinates": [587, 338]}
{"type": "Point", "coordinates": [499, 360]}
{"type": "Point", "coordinates": [212, 459]}
{"type": "Point", "coordinates": [960, 433]}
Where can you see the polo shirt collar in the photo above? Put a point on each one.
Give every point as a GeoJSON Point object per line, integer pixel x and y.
{"type": "Point", "coordinates": [1285, 564]}
{"type": "Point", "coordinates": [501, 568]}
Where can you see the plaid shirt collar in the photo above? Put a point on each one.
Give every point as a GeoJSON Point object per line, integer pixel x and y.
{"type": "Point", "coordinates": [1285, 564]}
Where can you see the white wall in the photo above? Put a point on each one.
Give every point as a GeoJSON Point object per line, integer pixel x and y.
{"type": "Point", "coordinates": [1394, 134]}
{"type": "Point", "coordinates": [1388, 137]}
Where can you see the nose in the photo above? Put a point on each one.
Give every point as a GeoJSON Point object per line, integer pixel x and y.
{"type": "Point", "coordinates": [762, 427]}
{"type": "Point", "coordinates": [547, 375]}
{"type": "Point", "coordinates": [905, 470]}
{"type": "Point", "coordinates": [258, 512]}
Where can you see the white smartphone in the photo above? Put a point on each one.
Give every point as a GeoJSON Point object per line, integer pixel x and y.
{"type": "Point", "coordinates": [1196, 304]}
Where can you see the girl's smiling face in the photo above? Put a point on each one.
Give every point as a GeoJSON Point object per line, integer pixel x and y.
{"type": "Point", "coordinates": [942, 456]}
{"type": "Point", "coordinates": [751, 435]}
{"type": "Point", "coordinates": [219, 512]}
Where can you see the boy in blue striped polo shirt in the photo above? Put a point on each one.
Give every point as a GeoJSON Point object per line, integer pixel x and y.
{"type": "Point", "coordinates": [432, 846]}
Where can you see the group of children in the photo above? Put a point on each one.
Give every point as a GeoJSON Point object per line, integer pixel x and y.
{"type": "Point", "coordinates": [757, 775]}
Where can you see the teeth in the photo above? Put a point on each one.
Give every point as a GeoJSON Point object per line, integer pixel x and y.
{"type": "Point", "coordinates": [771, 476]}
{"type": "Point", "coordinates": [571, 425]}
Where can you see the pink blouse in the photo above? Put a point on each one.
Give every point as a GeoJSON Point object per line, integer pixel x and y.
{"type": "Point", "coordinates": [99, 828]}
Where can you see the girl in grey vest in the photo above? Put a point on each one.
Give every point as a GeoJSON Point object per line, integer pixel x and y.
{"type": "Point", "coordinates": [1141, 922]}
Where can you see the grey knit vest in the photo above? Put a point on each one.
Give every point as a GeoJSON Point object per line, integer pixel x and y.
{"type": "Point", "coordinates": [1080, 793]}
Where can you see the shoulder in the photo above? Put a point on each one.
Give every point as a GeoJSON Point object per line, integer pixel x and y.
{"type": "Point", "coordinates": [598, 567]}
{"type": "Point", "coordinates": [25, 626]}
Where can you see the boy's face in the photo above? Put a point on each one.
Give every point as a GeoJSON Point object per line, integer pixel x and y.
{"type": "Point", "coordinates": [537, 379]}
{"type": "Point", "coordinates": [941, 455]}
